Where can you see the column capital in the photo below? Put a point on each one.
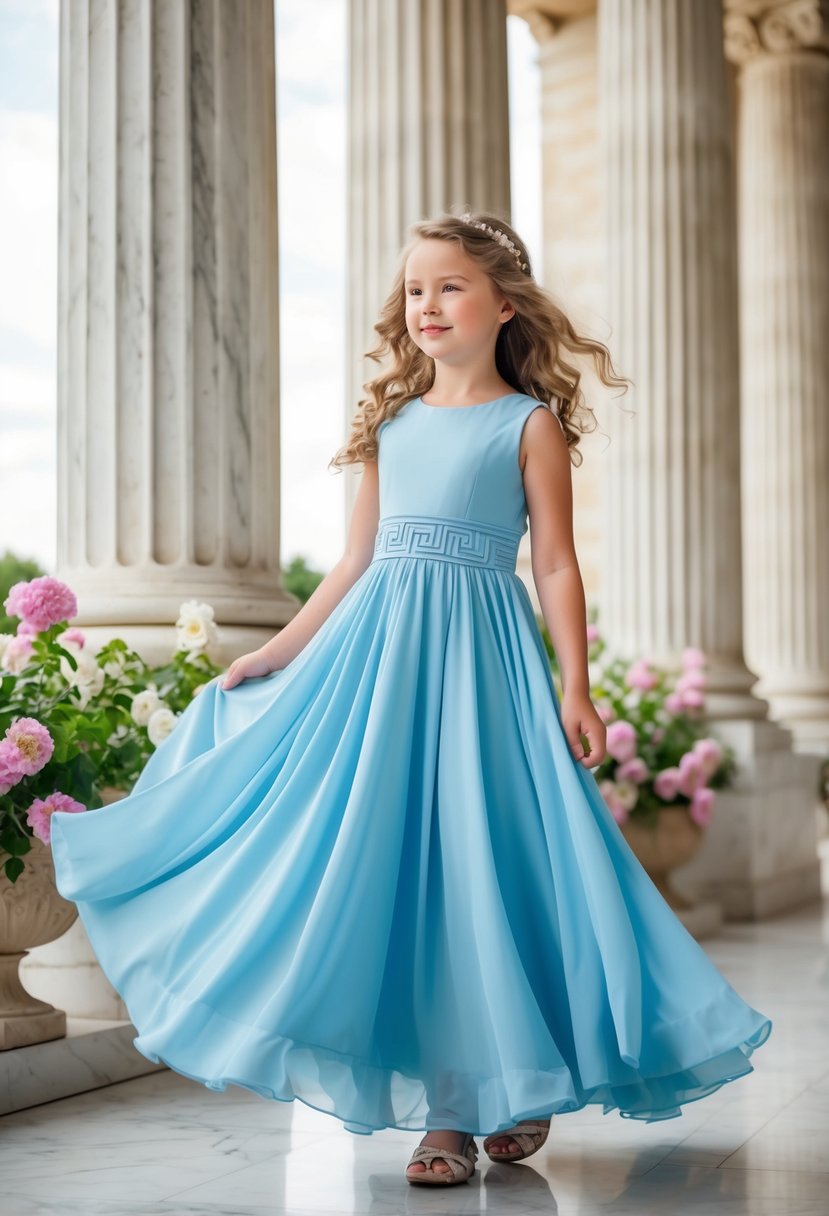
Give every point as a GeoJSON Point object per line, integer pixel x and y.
{"type": "Point", "coordinates": [546, 17]}
{"type": "Point", "coordinates": [754, 28]}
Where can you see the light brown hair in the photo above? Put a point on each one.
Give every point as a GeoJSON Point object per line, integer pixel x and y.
{"type": "Point", "coordinates": [531, 351]}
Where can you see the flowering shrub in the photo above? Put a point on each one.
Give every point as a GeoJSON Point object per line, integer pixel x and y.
{"type": "Point", "coordinates": [73, 722]}
{"type": "Point", "coordinates": [659, 752]}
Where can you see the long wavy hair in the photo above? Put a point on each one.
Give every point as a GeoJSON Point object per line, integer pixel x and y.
{"type": "Point", "coordinates": [533, 351]}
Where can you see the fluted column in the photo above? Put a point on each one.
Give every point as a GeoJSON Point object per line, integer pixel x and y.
{"type": "Point", "coordinates": [168, 419]}
{"type": "Point", "coordinates": [671, 486]}
{"type": "Point", "coordinates": [672, 564]}
{"type": "Point", "coordinates": [782, 53]}
{"type": "Point", "coordinates": [428, 130]}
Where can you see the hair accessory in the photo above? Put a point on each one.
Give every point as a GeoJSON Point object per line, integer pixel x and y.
{"type": "Point", "coordinates": [497, 235]}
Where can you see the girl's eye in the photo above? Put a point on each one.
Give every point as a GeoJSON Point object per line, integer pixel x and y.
{"type": "Point", "coordinates": [452, 285]}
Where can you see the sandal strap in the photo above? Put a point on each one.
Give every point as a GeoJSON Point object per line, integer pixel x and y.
{"type": "Point", "coordinates": [526, 1134]}
{"type": "Point", "coordinates": [459, 1163]}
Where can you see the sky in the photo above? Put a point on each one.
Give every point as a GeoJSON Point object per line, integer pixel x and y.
{"type": "Point", "coordinates": [311, 39]}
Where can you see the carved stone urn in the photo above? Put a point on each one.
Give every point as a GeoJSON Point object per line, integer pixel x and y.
{"type": "Point", "coordinates": [663, 845]}
{"type": "Point", "coordinates": [32, 913]}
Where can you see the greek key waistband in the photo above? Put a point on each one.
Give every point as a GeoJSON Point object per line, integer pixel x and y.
{"type": "Point", "coordinates": [452, 540]}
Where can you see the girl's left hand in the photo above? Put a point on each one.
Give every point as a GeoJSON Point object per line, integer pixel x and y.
{"type": "Point", "coordinates": [579, 717]}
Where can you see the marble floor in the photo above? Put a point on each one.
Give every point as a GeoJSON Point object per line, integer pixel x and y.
{"type": "Point", "coordinates": [164, 1144]}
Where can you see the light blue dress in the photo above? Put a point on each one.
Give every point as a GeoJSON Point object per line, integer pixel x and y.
{"type": "Point", "coordinates": [376, 880]}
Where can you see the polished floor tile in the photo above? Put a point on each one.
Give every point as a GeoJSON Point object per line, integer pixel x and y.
{"type": "Point", "coordinates": [162, 1144]}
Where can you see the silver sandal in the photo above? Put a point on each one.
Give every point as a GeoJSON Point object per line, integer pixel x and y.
{"type": "Point", "coordinates": [461, 1164]}
{"type": "Point", "coordinates": [531, 1135]}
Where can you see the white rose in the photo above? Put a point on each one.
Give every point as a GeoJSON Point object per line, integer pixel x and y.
{"type": "Point", "coordinates": [143, 704]}
{"type": "Point", "coordinates": [628, 794]}
{"type": "Point", "coordinates": [161, 722]}
{"type": "Point", "coordinates": [88, 677]}
{"type": "Point", "coordinates": [115, 666]}
{"type": "Point", "coordinates": [195, 625]}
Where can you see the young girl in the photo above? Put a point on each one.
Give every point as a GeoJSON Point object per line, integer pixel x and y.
{"type": "Point", "coordinates": [370, 868]}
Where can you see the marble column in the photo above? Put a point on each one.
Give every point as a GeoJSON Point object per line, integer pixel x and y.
{"type": "Point", "coordinates": [428, 130]}
{"type": "Point", "coordinates": [671, 480]}
{"type": "Point", "coordinates": [781, 51]}
{"type": "Point", "coordinates": [572, 215]}
{"type": "Point", "coordinates": [168, 416]}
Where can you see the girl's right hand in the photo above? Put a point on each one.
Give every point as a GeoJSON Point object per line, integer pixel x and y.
{"type": "Point", "coordinates": [254, 664]}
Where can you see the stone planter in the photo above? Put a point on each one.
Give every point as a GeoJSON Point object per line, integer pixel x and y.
{"type": "Point", "coordinates": [32, 913]}
{"type": "Point", "coordinates": [663, 846]}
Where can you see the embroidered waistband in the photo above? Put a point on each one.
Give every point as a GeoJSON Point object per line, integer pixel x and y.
{"type": "Point", "coordinates": [447, 539]}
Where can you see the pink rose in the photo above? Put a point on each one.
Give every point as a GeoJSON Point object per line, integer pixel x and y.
{"type": "Point", "coordinates": [640, 675]}
{"type": "Point", "coordinates": [702, 804]}
{"type": "Point", "coordinates": [692, 656]}
{"type": "Point", "coordinates": [73, 634]}
{"type": "Point", "coordinates": [17, 652]}
{"type": "Point", "coordinates": [674, 703]}
{"type": "Point", "coordinates": [11, 770]}
{"type": "Point", "coordinates": [42, 601]}
{"type": "Point", "coordinates": [666, 784]}
{"type": "Point", "coordinates": [691, 774]}
{"type": "Point", "coordinates": [634, 769]}
{"type": "Point", "coordinates": [33, 742]}
{"type": "Point", "coordinates": [710, 754]}
{"type": "Point", "coordinates": [607, 789]}
{"type": "Point", "coordinates": [621, 740]}
{"type": "Point", "coordinates": [39, 814]}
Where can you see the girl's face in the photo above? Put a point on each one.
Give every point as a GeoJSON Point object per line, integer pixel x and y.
{"type": "Point", "coordinates": [453, 311]}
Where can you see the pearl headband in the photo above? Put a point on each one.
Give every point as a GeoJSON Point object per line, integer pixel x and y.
{"type": "Point", "coordinates": [499, 236]}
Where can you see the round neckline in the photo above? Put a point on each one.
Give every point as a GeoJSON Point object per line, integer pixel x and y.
{"type": "Point", "coordinates": [478, 404]}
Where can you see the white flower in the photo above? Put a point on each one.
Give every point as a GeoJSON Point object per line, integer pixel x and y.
{"type": "Point", "coordinates": [115, 666]}
{"type": "Point", "coordinates": [143, 704]}
{"type": "Point", "coordinates": [88, 678]}
{"type": "Point", "coordinates": [195, 625]}
{"type": "Point", "coordinates": [5, 638]}
{"type": "Point", "coordinates": [628, 794]}
{"type": "Point", "coordinates": [161, 722]}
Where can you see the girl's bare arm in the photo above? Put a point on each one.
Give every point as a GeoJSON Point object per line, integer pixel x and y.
{"type": "Point", "coordinates": [549, 492]}
{"type": "Point", "coordinates": [285, 645]}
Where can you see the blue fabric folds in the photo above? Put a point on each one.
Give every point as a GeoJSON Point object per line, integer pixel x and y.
{"type": "Point", "coordinates": [377, 881]}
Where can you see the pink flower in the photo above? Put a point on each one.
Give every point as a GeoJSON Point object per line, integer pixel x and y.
{"type": "Point", "coordinates": [621, 740]}
{"type": "Point", "coordinates": [11, 770]}
{"type": "Point", "coordinates": [634, 769]}
{"type": "Point", "coordinates": [692, 698]}
{"type": "Point", "coordinates": [39, 814]}
{"type": "Point", "coordinates": [691, 774]}
{"type": "Point", "coordinates": [42, 601]}
{"type": "Point", "coordinates": [607, 789]}
{"type": "Point", "coordinates": [33, 742]}
{"type": "Point", "coordinates": [666, 784]}
{"type": "Point", "coordinates": [692, 656]}
{"type": "Point", "coordinates": [640, 675]}
{"type": "Point", "coordinates": [605, 711]}
{"type": "Point", "coordinates": [674, 703]}
{"type": "Point", "coordinates": [702, 804]}
{"type": "Point", "coordinates": [710, 754]}
{"type": "Point", "coordinates": [27, 630]}
{"type": "Point", "coordinates": [74, 634]}
{"type": "Point", "coordinates": [593, 634]}
{"type": "Point", "coordinates": [694, 677]}
{"type": "Point", "coordinates": [17, 652]}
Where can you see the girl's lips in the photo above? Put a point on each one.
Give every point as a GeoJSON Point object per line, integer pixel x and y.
{"type": "Point", "coordinates": [435, 329]}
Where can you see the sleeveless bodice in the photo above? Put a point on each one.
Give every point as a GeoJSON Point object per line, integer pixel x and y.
{"type": "Point", "coordinates": [460, 462]}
